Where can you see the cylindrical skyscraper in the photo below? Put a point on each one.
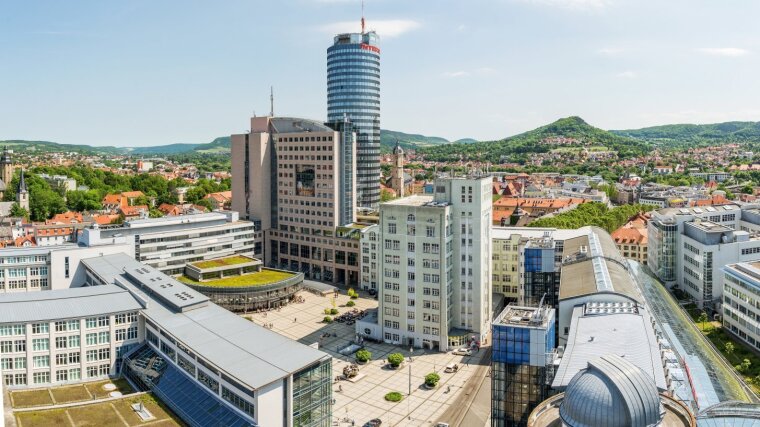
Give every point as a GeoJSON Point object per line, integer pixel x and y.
{"type": "Point", "coordinates": [353, 90]}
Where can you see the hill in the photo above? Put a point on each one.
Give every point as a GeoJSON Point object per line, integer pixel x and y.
{"type": "Point", "coordinates": [689, 134]}
{"type": "Point", "coordinates": [540, 140]}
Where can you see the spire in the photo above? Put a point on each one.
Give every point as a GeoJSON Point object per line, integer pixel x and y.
{"type": "Point", "coordinates": [362, 16]}
{"type": "Point", "coordinates": [271, 101]}
{"type": "Point", "coordinates": [22, 183]}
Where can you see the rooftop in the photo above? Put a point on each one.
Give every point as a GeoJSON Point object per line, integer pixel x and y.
{"type": "Point", "coordinates": [247, 352]}
{"type": "Point", "coordinates": [297, 125]}
{"type": "Point", "coordinates": [65, 304]}
{"type": "Point", "coordinates": [525, 316]}
{"type": "Point", "coordinates": [263, 277]}
{"type": "Point", "coordinates": [592, 334]}
{"type": "Point", "coordinates": [415, 200]}
{"type": "Point", "coordinates": [223, 262]}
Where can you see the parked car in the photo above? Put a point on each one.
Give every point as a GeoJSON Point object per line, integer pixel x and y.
{"type": "Point", "coordinates": [372, 292]}
{"type": "Point", "coordinates": [373, 423]}
{"type": "Point", "coordinates": [464, 351]}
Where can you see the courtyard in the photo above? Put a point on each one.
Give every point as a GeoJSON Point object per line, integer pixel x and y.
{"type": "Point", "coordinates": [363, 399]}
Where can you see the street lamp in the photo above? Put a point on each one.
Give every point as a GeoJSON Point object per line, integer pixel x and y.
{"type": "Point", "coordinates": [409, 395]}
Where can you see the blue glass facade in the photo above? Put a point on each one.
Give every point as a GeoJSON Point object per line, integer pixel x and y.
{"type": "Point", "coordinates": [353, 90]}
{"type": "Point", "coordinates": [519, 379]}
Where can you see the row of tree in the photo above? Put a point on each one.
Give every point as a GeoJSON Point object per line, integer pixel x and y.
{"type": "Point", "coordinates": [595, 213]}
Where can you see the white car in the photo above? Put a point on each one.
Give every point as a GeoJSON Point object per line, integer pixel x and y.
{"type": "Point", "coordinates": [463, 351]}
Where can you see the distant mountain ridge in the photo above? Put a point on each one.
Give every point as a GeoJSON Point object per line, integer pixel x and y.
{"type": "Point", "coordinates": [625, 142]}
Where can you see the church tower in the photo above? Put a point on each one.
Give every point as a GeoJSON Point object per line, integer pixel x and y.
{"type": "Point", "coordinates": [22, 194]}
{"type": "Point", "coordinates": [397, 170]}
{"type": "Point", "coordinates": [6, 167]}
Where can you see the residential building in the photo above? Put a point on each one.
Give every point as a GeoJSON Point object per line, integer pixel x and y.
{"type": "Point", "coordinates": [295, 177]}
{"type": "Point", "coordinates": [434, 261]}
{"type": "Point", "coordinates": [522, 363]}
{"type": "Point", "coordinates": [353, 91]}
{"type": "Point", "coordinates": [171, 242]}
{"type": "Point", "coordinates": [631, 238]}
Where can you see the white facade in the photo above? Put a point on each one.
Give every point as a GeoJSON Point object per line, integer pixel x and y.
{"type": "Point", "coordinates": [434, 265]}
{"type": "Point", "coordinates": [741, 302]}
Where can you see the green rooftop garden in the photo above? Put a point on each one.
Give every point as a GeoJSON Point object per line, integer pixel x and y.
{"type": "Point", "coordinates": [222, 262]}
{"type": "Point", "coordinates": [263, 277]}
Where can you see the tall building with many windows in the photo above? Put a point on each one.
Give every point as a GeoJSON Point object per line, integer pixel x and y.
{"type": "Point", "coordinates": [434, 266]}
{"type": "Point", "coordinates": [296, 178]}
{"type": "Point", "coordinates": [353, 91]}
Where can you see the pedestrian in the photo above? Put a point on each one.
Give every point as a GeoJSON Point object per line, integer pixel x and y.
{"type": "Point", "coordinates": [295, 320]}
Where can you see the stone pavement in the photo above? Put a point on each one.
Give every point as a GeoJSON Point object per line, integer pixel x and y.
{"type": "Point", "coordinates": [363, 400]}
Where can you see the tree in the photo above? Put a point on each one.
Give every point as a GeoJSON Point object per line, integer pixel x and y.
{"type": "Point", "coordinates": [155, 213]}
{"type": "Point", "coordinates": [702, 319]}
{"type": "Point", "coordinates": [18, 211]}
{"type": "Point", "coordinates": [744, 366]}
{"type": "Point", "coordinates": [363, 356]}
{"type": "Point", "coordinates": [431, 379]}
{"type": "Point", "coordinates": [395, 359]}
{"type": "Point", "coordinates": [728, 348]}
{"type": "Point", "coordinates": [386, 195]}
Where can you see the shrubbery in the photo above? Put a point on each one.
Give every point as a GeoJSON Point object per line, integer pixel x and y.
{"type": "Point", "coordinates": [327, 319]}
{"type": "Point", "coordinates": [432, 379]}
{"type": "Point", "coordinates": [363, 356]}
{"type": "Point", "coordinates": [395, 359]}
{"type": "Point", "coordinates": [394, 396]}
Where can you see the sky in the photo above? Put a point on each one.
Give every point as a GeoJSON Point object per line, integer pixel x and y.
{"type": "Point", "coordinates": [154, 72]}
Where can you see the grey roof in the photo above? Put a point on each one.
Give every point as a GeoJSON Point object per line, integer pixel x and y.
{"type": "Point", "coordinates": [296, 125]}
{"type": "Point", "coordinates": [65, 304]}
{"type": "Point", "coordinates": [629, 335]}
{"type": "Point", "coordinates": [251, 354]}
{"type": "Point", "coordinates": [730, 414]}
{"type": "Point", "coordinates": [611, 392]}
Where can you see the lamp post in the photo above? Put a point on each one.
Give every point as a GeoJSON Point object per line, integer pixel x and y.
{"type": "Point", "coordinates": [409, 395]}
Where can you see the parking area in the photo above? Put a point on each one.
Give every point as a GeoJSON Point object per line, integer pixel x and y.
{"type": "Point", "coordinates": [363, 400]}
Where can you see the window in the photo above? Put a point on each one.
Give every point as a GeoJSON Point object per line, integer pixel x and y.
{"type": "Point", "coordinates": [19, 363]}
{"type": "Point", "coordinates": [61, 342]}
{"type": "Point", "coordinates": [60, 326]}
{"type": "Point", "coordinates": [92, 322]}
{"type": "Point", "coordinates": [6, 363]}
{"type": "Point", "coordinates": [10, 330]}
{"type": "Point", "coordinates": [19, 346]}
{"type": "Point", "coordinates": [237, 401]}
{"type": "Point", "coordinates": [41, 361]}
{"type": "Point", "coordinates": [40, 328]}
{"type": "Point", "coordinates": [104, 337]}
{"type": "Point", "coordinates": [72, 325]}
{"type": "Point", "coordinates": [75, 374]}
{"type": "Point", "coordinates": [74, 358]}
{"type": "Point", "coordinates": [41, 344]}
{"type": "Point", "coordinates": [6, 347]}
{"type": "Point", "coordinates": [62, 375]}
{"type": "Point", "coordinates": [103, 321]}
{"type": "Point", "coordinates": [41, 377]}
{"type": "Point", "coordinates": [61, 359]}
{"type": "Point", "coordinates": [92, 339]}
{"type": "Point", "coordinates": [74, 341]}
{"type": "Point", "coordinates": [209, 382]}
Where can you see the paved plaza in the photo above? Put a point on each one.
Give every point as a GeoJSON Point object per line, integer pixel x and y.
{"type": "Point", "coordinates": [363, 400]}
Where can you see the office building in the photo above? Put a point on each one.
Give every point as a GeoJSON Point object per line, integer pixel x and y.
{"type": "Point", "coordinates": [434, 262]}
{"type": "Point", "coordinates": [688, 245]}
{"type": "Point", "coordinates": [370, 239]}
{"type": "Point", "coordinates": [540, 272]}
{"type": "Point", "coordinates": [50, 267]}
{"type": "Point", "coordinates": [741, 301]}
{"type": "Point", "coordinates": [169, 243]}
{"type": "Point", "coordinates": [522, 363]}
{"type": "Point", "coordinates": [121, 317]}
{"type": "Point", "coordinates": [353, 91]}
{"type": "Point", "coordinates": [295, 178]}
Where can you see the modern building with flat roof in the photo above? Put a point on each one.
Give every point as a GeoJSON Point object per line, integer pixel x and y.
{"type": "Point", "coordinates": [687, 246]}
{"type": "Point", "coordinates": [296, 177]}
{"type": "Point", "coordinates": [171, 242]}
{"type": "Point", "coordinates": [121, 317]}
{"type": "Point", "coordinates": [741, 301]}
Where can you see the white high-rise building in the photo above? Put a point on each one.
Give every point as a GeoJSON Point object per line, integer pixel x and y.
{"type": "Point", "coordinates": [434, 265]}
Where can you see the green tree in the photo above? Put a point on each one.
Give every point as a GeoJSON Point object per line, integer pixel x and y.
{"type": "Point", "coordinates": [395, 359]}
{"type": "Point", "coordinates": [702, 319]}
{"type": "Point", "coordinates": [431, 379]}
{"type": "Point", "coordinates": [386, 196]}
{"type": "Point", "coordinates": [744, 366]}
{"type": "Point", "coordinates": [18, 211]}
{"type": "Point", "coordinates": [363, 356]}
{"type": "Point", "coordinates": [728, 348]}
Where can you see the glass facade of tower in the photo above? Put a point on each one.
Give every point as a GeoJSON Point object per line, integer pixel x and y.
{"type": "Point", "coordinates": [353, 90]}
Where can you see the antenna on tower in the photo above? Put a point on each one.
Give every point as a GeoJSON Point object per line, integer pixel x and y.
{"type": "Point", "coordinates": [271, 101]}
{"type": "Point", "coordinates": [362, 16]}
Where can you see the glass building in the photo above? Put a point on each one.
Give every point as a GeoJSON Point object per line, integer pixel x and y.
{"type": "Point", "coordinates": [353, 91]}
{"type": "Point", "coordinates": [521, 364]}
{"type": "Point", "coordinates": [541, 275]}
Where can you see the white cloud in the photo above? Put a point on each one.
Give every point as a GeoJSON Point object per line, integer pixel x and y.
{"type": "Point", "coordinates": [461, 27]}
{"type": "Point", "coordinates": [609, 51]}
{"type": "Point", "coordinates": [627, 75]}
{"type": "Point", "coordinates": [572, 4]}
{"type": "Point", "coordinates": [455, 74]}
{"type": "Point", "coordinates": [723, 51]}
{"type": "Point", "coordinates": [385, 28]}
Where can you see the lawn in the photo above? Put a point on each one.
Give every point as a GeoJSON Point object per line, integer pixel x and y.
{"type": "Point", "coordinates": [75, 393]}
{"type": "Point", "coordinates": [101, 414]}
{"type": "Point", "coordinates": [25, 399]}
{"type": "Point", "coordinates": [263, 277]}
{"type": "Point", "coordinates": [53, 417]}
{"type": "Point", "coordinates": [222, 262]}
{"type": "Point", "coordinates": [96, 388]}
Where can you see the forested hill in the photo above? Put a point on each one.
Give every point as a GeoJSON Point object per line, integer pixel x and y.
{"type": "Point", "coordinates": [688, 134]}
{"type": "Point", "coordinates": [543, 139]}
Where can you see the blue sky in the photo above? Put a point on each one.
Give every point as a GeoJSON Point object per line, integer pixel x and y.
{"type": "Point", "coordinates": [141, 73]}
